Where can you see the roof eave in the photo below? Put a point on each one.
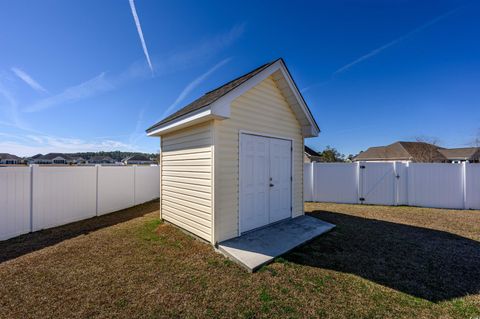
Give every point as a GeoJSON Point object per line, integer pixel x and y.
{"type": "Point", "coordinates": [220, 108]}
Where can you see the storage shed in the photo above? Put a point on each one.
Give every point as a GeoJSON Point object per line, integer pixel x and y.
{"type": "Point", "coordinates": [232, 160]}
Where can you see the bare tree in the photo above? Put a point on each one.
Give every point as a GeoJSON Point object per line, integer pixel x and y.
{"type": "Point", "coordinates": [476, 140]}
{"type": "Point", "coordinates": [428, 139]}
{"type": "Point", "coordinates": [428, 152]}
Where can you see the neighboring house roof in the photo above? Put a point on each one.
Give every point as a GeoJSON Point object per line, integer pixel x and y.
{"type": "Point", "coordinates": [464, 153]}
{"type": "Point", "coordinates": [403, 151]}
{"type": "Point", "coordinates": [51, 156]}
{"type": "Point", "coordinates": [36, 156]}
{"type": "Point", "coordinates": [138, 158]}
{"type": "Point", "coordinates": [310, 152]}
{"type": "Point", "coordinates": [294, 97]}
{"type": "Point", "coordinates": [99, 158]}
{"type": "Point", "coordinates": [312, 155]}
{"type": "Point", "coordinates": [6, 156]}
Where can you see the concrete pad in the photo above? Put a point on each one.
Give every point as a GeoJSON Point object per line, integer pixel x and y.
{"type": "Point", "coordinates": [259, 247]}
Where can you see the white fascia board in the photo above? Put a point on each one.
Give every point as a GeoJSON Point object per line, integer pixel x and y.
{"type": "Point", "coordinates": [199, 116]}
{"type": "Point", "coordinates": [220, 109]}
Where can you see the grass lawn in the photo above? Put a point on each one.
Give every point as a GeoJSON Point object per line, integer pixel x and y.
{"type": "Point", "coordinates": [380, 262]}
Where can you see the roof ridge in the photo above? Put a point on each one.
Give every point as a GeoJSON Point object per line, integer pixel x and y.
{"type": "Point", "coordinates": [238, 77]}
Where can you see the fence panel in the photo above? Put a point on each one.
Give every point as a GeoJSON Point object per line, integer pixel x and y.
{"type": "Point", "coordinates": [439, 185]}
{"type": "Point", "coordinates": [15, 191]}
{"type": "Point", "coordinates": [147, 183]}
{"type": "Point", "coordinates": [335, 182]}
{"type": "Point", "coordinates": [62, 195]}
{"type": "Point", "coordinates": [435, 185]}
{"type": "Point", "coordinates": [116, 188]}
{"type": "Point", "coordinates": [472, 186]}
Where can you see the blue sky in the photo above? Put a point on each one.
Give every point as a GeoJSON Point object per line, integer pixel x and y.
{"type": "Point", "coordinates": [74, 75]}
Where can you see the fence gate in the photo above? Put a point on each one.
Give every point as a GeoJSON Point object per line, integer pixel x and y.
{"type": "Point", "coordinates": [377, 183]}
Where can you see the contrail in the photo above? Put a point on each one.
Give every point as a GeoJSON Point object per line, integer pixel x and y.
{"type": "Point", "coordinates": [396, 41]}
{"type": "Point", "coordinates": [140, 33]}
{"type": "Point", "coordinates": [28, 79]}
{"type": "Point", "coordinates": [192, 85]}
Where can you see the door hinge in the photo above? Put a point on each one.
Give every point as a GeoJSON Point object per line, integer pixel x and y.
{"type": "Point", "coordinates": [362, 166]}
{"type": "Point", "coordinates": [291, 178]}
{"type": "Point", "coordinates": [361, 199]}
{"type": "Point", "coordinates": [291, 208]}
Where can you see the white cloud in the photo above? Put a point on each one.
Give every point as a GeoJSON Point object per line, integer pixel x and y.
{"type": "Point", "coordinates": [106, 82]}
{"type": "Point", "coordinates": [29, 80]}
{"type": "Point", "coordinates": [192, 85]}
{"type": "Point", "coordinates": [140, 33]}
{"type": "Point", "coordinates": [206, 49]}
{"type": "Point", "coordinates": [11, 110]}
{"type": "Point", "coordinates": [87, 89]}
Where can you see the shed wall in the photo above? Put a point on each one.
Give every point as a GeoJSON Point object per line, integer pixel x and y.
{"type": "Point", "coordinates": [186, 179]}
{"type": "Point", "coordinates": [264, 110]}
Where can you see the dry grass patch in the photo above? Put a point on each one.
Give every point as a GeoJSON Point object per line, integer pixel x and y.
{"type": "Point", "coordinates": [133, 266]}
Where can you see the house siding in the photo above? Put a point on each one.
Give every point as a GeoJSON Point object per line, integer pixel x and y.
{"type": "Point", "coordinates": [264, 110]}
{"type": "Point", "coordinates": [186, 179]}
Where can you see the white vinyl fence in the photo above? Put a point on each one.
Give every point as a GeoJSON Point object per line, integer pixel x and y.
{"type": "Point", "coordinates": [394, 183]}
{"type": "Point", "coordinates": [39, 197]}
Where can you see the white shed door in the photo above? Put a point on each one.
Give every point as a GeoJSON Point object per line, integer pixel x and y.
{"type": "Point", "coordinates": [265, 181]}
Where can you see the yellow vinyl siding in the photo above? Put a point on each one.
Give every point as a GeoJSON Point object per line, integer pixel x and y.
{"type": "Point", "coordinates": [186, 179]}
{"type": "Point", "coordinates": [262, 109]}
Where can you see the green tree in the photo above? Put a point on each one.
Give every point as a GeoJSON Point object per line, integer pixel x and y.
{"type": "Point", "coordinates": [330, 154]}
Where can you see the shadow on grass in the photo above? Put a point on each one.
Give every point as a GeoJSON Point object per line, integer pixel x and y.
{"type": "Point", "coordinates": [421, 262]}
{"type": "Point", "coordinates": [24, 244]}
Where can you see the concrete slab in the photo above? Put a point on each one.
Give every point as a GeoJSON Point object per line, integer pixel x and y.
{"type": "Point", "coordinates": [259, 247]}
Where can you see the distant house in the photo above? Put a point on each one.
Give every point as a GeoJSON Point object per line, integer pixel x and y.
{"type": "Point", "coordinates": [9, 159]}
{"type": "Point", "coordinates": [31, 160]}
{"type": "Point", "coordinates": [419, 152]}
{"type": "Point", "coordinates": [78, 160]}
{"type": "Point", "coordinates": [138, 160]}
{"type": "Point", "coordinates": [54, 158]}
{"type": "Point", "coordinates": [101, 160]}
{"type": "Point", "coordinates": [310, 155]}
{"type": "Point", "coordinates": [464, 154]}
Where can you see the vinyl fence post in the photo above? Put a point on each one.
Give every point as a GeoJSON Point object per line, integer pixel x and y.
{"type": "Point", "coordinates": [464, 184]}
{"type": "Point", "coordinates": [97, 167]}
{"type": "Point", "coordinates": [407, 183]}
{"type": "Point", "coordinates": [358, 183]}
{"type": "Point", "coordinates": [33, 170]}
{"type": "Point", "coordinates": [311, 186]}
{"type": "Point", "coordinates": [395, 184]}
{"type": "Point", "coordinates": [134, 184]}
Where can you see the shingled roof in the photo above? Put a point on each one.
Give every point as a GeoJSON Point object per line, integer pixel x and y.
{"type": "Point", "coordinates": [212, 96]}
{"type": "Point", "coordinates": [403, 151]}
{"type": "Point", "coordinates": [7, 156]}
{"type": "Point", "coordinates": [51, 156]}
{"type": "Point", "coordinates": [464, 153]}
{"type": "Point", "coordinates": [310, 151]}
